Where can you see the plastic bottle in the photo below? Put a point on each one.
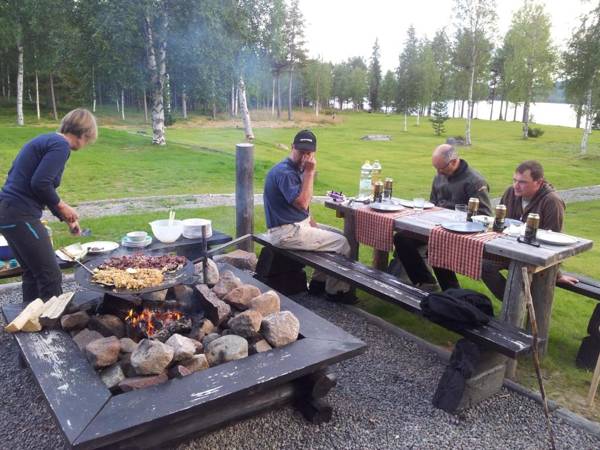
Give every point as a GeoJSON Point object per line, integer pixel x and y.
{"type": "Point", "coordinates": [365, 188]}
{"type": "Point", "coordinates": [376, 172]}
{"type": "Point", "coordinates": [49, 230]}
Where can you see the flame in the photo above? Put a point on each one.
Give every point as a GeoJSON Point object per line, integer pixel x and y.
{"type": "Point", "coordinates": [148, 320]}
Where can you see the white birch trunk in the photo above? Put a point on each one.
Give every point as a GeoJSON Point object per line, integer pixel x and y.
{"type": "Point", "coordinates": [37, 96]}
{"type": "Point", "coordinates": [8, 81]}
{"type": "Point", "coordinates": [290, 93]}
{"type": "Point", "coordinates": [245, 112]}
{"type": "Point", "coordinates": [93, 90]}
{"type": "Point", "coordinates": [145, 106]}
{"type": "Point", "coordinates": [232, 99]}
{"type": "Point", "coordinates": [20, 117]}
{"type": "Point", "coordinates": [278, 96]}
{"type": "Point", "coordinates": [273, 99]}
{"type": "Point", "coordinates": [118, 106]}
{"type": "Point", "coordinates": [157, 71]}
{"type": "Point", "coordinates": [184, 103]}
{"type": "Point", "coordinates": [405, 122]}
{"type": "Point", "coordinates": [470, 104]}
{"type": "Point", "coordinates": [237, 100]}
{"type": "Point", "coordinates": [123, 104]}
{"type": "Point", "coordinates": [418, 116]}
{"type": "Point", "coordinates": [588, 123]}
{"type": "Point", "coordinates": [54, 112]}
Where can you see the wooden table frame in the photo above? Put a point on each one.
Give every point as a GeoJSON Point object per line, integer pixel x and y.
{"type": "Point", "coordinates": [542, 262]}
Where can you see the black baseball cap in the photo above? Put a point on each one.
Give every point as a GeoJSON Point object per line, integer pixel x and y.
{"type": "Point", "coordinates": [306, 141]}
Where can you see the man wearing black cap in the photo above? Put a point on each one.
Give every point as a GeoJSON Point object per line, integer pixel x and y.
{"type": "Point", "coordinates": [287, 195]}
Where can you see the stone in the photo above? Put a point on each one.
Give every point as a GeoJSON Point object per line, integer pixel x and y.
{"type": "Point", "coordinates": [125, 363]}
{"type": "Point", "coordinates": [215, 309]}
{"type": "Point", "coordinates": [181, 326]}
{"type": "Point", "coordinates": [225, 349]}
{"type": "Point", "coordinates": [183, 347]}
{"type": "Point", "coordinates": [246, 324]}
{"type": "Point", "coordinates": [260, 346]}
{"type": "Point", "coordinates": [107, 325]}
{"type": "Point", "coordinates": [112, 376]}
{"type": "Point", "coordinates": [239, 258]}
{"type": "Point", "coordinates": [212, 272]}
{"type": "Point", "coordinates": [205, 329]}
{"type": "Point", "coordinates": [85, 336]}
{"type": "Point", "coordinates": [280, 328]}
{"type": "Point", "coordinates": [103, 352]}
{"type": "Point", "coordinates": [156, 296]}
{"type": "Point", "coordinates": [267, 303]}
{"type": "Point", "coordinates": [227, 283]}
{"type": "Point", "coordinates": [183, 293]}
{"type": "Point", "coordinates": [179, 372]}
{"type": "Point", "coordinates": [196, 363]}
{"type": "Point", "coordinates": [198, 345]}
{"type": "Point", "coordinates": [240, 297]}
{"type": "Point", "coordinates": [75, 321]}
{"type": "Point", "coordinates": [151, 357]}
{"type": "Point", "coordinates": [127, 345]}
{"type": "Point", "coordinates": [131, 384]}
{"type": "Point", "coordinates": [209, 338]}
{"type": "Point", "coordinates": [376, 137]}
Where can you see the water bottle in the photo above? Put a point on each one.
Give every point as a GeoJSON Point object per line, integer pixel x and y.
{"type": "Point", "coordinates": [376, 172]}
{"type": "Point", "coordinates": [365, 187]}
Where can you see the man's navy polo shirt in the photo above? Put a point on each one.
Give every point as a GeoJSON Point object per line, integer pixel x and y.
{"type": "Point", "coordinates": [282, 186]}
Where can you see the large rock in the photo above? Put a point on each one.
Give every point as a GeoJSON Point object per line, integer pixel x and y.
{"type": "Point", "coordinates": [103, 352]}
{"type": "Point", "coordinates": [212, 273]}
{"type": "Point", "coordinates": [246, 324]}
{"type": "Point", "coordinates": [155, 296]}
{"type": "Point", "coordinates": [240, 297]}
{"type": "Point", "coordinates": [280, 328]}
{"type": "Point", "coordinates": [85, 336]}
{"type": "Point", "coordinates": [127, 345]}
{"type": "Point", "coordinates": [260, 346]}
{"type": "Point", "coordinates": [112, 376]}
{"type": "Point", "coordinates": [226, 348]}
{"type": "Point", "coordinates": [239, 258]}
{"type": "Point", "coordinates": [227, 283]}
{"type": "Point", "coordinates": [215, 309]}
{"type": "Point", "coordinates": [130, 384]}
{"type": "Point", "coordinates": [183, 293]}
{"type": "Point", "coordinates": [107, 325]}
{"type": "Point", "coordinates": [196, 363]}
{"type": "Point", "coordinates": [183, 347]}
{"type": "Point", "coordinates": [75, 321]}
{"type": "Point", "coordinates": [205, 329]}
{"type": "Point", "coordinates": [151, 357]}
{"type": "Point", "coordinates": [209, 338]}
{"type": "Point", "coordinates": [179, 371]}
{"type": "Point", "coordinates": [267, 303]}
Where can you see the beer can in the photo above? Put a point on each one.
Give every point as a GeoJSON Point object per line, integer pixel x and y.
{"type": "Point", "coordinates": [472, 208]}
{"type": "Point", "coordinates": [531, 227]}
{"type": "Point", "coordinates": [499, 220]}
{"type": "Point", "coordinates": [378, 191]}
{"type": "Point", "coordinates": [387, 189]}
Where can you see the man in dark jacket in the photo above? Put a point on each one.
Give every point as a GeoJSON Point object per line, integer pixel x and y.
{"type": "Point", "coordinates": [529, 193]}
{"type": "Point", "coordinates": [454, 184]}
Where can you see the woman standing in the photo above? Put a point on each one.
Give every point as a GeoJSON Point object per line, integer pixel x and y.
{"type": "Point", "coordinates": [30, 187]}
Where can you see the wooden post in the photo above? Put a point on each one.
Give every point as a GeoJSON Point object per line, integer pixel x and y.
{"type": "Point", "coordinates": [542, 291]}
{"type": "Point", "coordinates": [513, 306]}
{"type": "Point", "coordinates": [244, 193]}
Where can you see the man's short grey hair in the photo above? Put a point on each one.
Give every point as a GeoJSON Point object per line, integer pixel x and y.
{"type": "Point", "coordinates": [449, 153]}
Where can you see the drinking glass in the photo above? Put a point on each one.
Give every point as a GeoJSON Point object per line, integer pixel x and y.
{"type": "Point", "coordinates": [418, 204]}
{"type": "Point", "coordinates": [460, 212]}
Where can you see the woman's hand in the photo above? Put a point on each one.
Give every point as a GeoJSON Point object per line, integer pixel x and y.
{"type": "Point", "coordinates": [68, 214]}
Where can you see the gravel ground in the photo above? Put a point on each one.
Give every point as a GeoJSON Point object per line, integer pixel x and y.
{"type": "Point", "coordinates": [383, 400]}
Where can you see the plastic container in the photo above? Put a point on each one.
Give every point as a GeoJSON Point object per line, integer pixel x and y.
{"type": "Point", "coordinates": [376, 169]}
{"type": "Point", "coordinates": [165, 231]}
{"type": "Point", "coordinates": [365, 188]}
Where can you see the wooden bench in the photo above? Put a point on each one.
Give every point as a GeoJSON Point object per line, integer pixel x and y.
{"type": "Point", "coordinates": [587, 286]}
{"type": "Point", "coordinates": [499, 340]}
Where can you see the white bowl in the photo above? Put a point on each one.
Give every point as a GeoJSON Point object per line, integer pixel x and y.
{"type": "Point", "coordinates": [137, 236]}
{"type": "Point", "coordinates": [165, 232]}
{"type": "Point", "coordinates": [192, 228]}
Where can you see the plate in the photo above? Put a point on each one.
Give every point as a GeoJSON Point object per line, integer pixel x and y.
{"type": "Point", "coordinates": [409, 204]}
{"type": "Point", "coordinates": [464, 227]}
{"type": "Point", "coordinates": [75, 250]}
{"type": "Point", "coordinates": [125, 242]}
{"type": "Point", "coordinates": [552, 238]}
{"type": "Point", "coordinates": [386, 207]}
{"type": "Point", "coordinates": [100, 246]}
{"type": "Point", "coordinates": [486, 220]}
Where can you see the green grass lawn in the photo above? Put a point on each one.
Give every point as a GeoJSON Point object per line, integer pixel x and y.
{"type": "Point", "coordinates": [123, 163]}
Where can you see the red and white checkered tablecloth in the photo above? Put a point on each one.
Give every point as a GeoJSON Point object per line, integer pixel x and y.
{"type": "Point", "coordinates": [376, 229]}
{"type": "Point", "coordinates": [461, 253]}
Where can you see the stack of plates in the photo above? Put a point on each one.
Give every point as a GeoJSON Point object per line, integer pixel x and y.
{"type": "Point", "coordinates": [126, 242]}
{"type": "Point", "coordinates": [192, 228]}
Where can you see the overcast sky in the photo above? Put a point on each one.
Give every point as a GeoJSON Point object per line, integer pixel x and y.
{"type": "Point", "coordinates": [339, 29]}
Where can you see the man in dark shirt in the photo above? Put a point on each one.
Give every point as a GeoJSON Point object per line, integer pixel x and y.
{"type": "Point", "coordinates": [454, 184]}
{"type": "Point", "coordinates": [287, 195]}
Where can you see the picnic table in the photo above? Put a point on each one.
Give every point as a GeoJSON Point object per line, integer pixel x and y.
{"type": "Point", "coordinates": [542, 262]}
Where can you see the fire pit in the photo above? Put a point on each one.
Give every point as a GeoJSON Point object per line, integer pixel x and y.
{"type": "Point", "coordinates": [90, 416]}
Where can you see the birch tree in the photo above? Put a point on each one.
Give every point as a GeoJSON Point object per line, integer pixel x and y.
{"type": "Point", "coordinates": [296, 54]}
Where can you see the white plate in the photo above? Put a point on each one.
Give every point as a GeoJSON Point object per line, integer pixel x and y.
{"type": "Point", "coordinates": [386, 207]}
{"type": "Point", "coordinates": [75, 250]}
{"type": "Point", "coordinates": [464, 227]}
{"type": "Point", "coordinates": [100, 246]}
{"type": "Point", "coordinates": [552, 238]}
{"type": "Point", "coordinates": [127, 243]}
{"type": "Point", "coordinates": [409, 204]}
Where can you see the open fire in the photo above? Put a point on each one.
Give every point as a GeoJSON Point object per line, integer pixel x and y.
{"type": "Point", "coordinates": [150, 321]}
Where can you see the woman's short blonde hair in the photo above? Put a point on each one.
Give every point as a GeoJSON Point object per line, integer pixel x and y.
{"type": "Point", "coordinates": [81, 123]}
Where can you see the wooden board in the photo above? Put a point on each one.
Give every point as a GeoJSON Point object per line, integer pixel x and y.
{"type": "Point", "coordinates": [587, 287]}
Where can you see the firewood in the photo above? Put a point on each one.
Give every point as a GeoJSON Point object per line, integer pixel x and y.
{"type": "Point", "coordinates": [28, 317]}
{"type": "Point", "coordinates": [55, 308]}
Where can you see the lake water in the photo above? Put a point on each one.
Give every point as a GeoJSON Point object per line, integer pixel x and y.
{"type": "Point", "coordinates": [543, 113]}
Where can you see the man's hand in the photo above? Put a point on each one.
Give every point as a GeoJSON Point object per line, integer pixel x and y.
{"type": "Point", "coordinates": [309, 162]}
{"type": "Point", "coordinates": [312, 222]}
{"type": "Point", "coordinates": [567, 279]}
{"type": "Point", "coordinates": [74, 228]}
{"type": "Point", "coordinates": [68, 214]}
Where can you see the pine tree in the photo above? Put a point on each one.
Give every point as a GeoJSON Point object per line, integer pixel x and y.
{"type": "Point", "coordinates": [439, 115]}
{"type": "Point", "coordinates": [375, 79]}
